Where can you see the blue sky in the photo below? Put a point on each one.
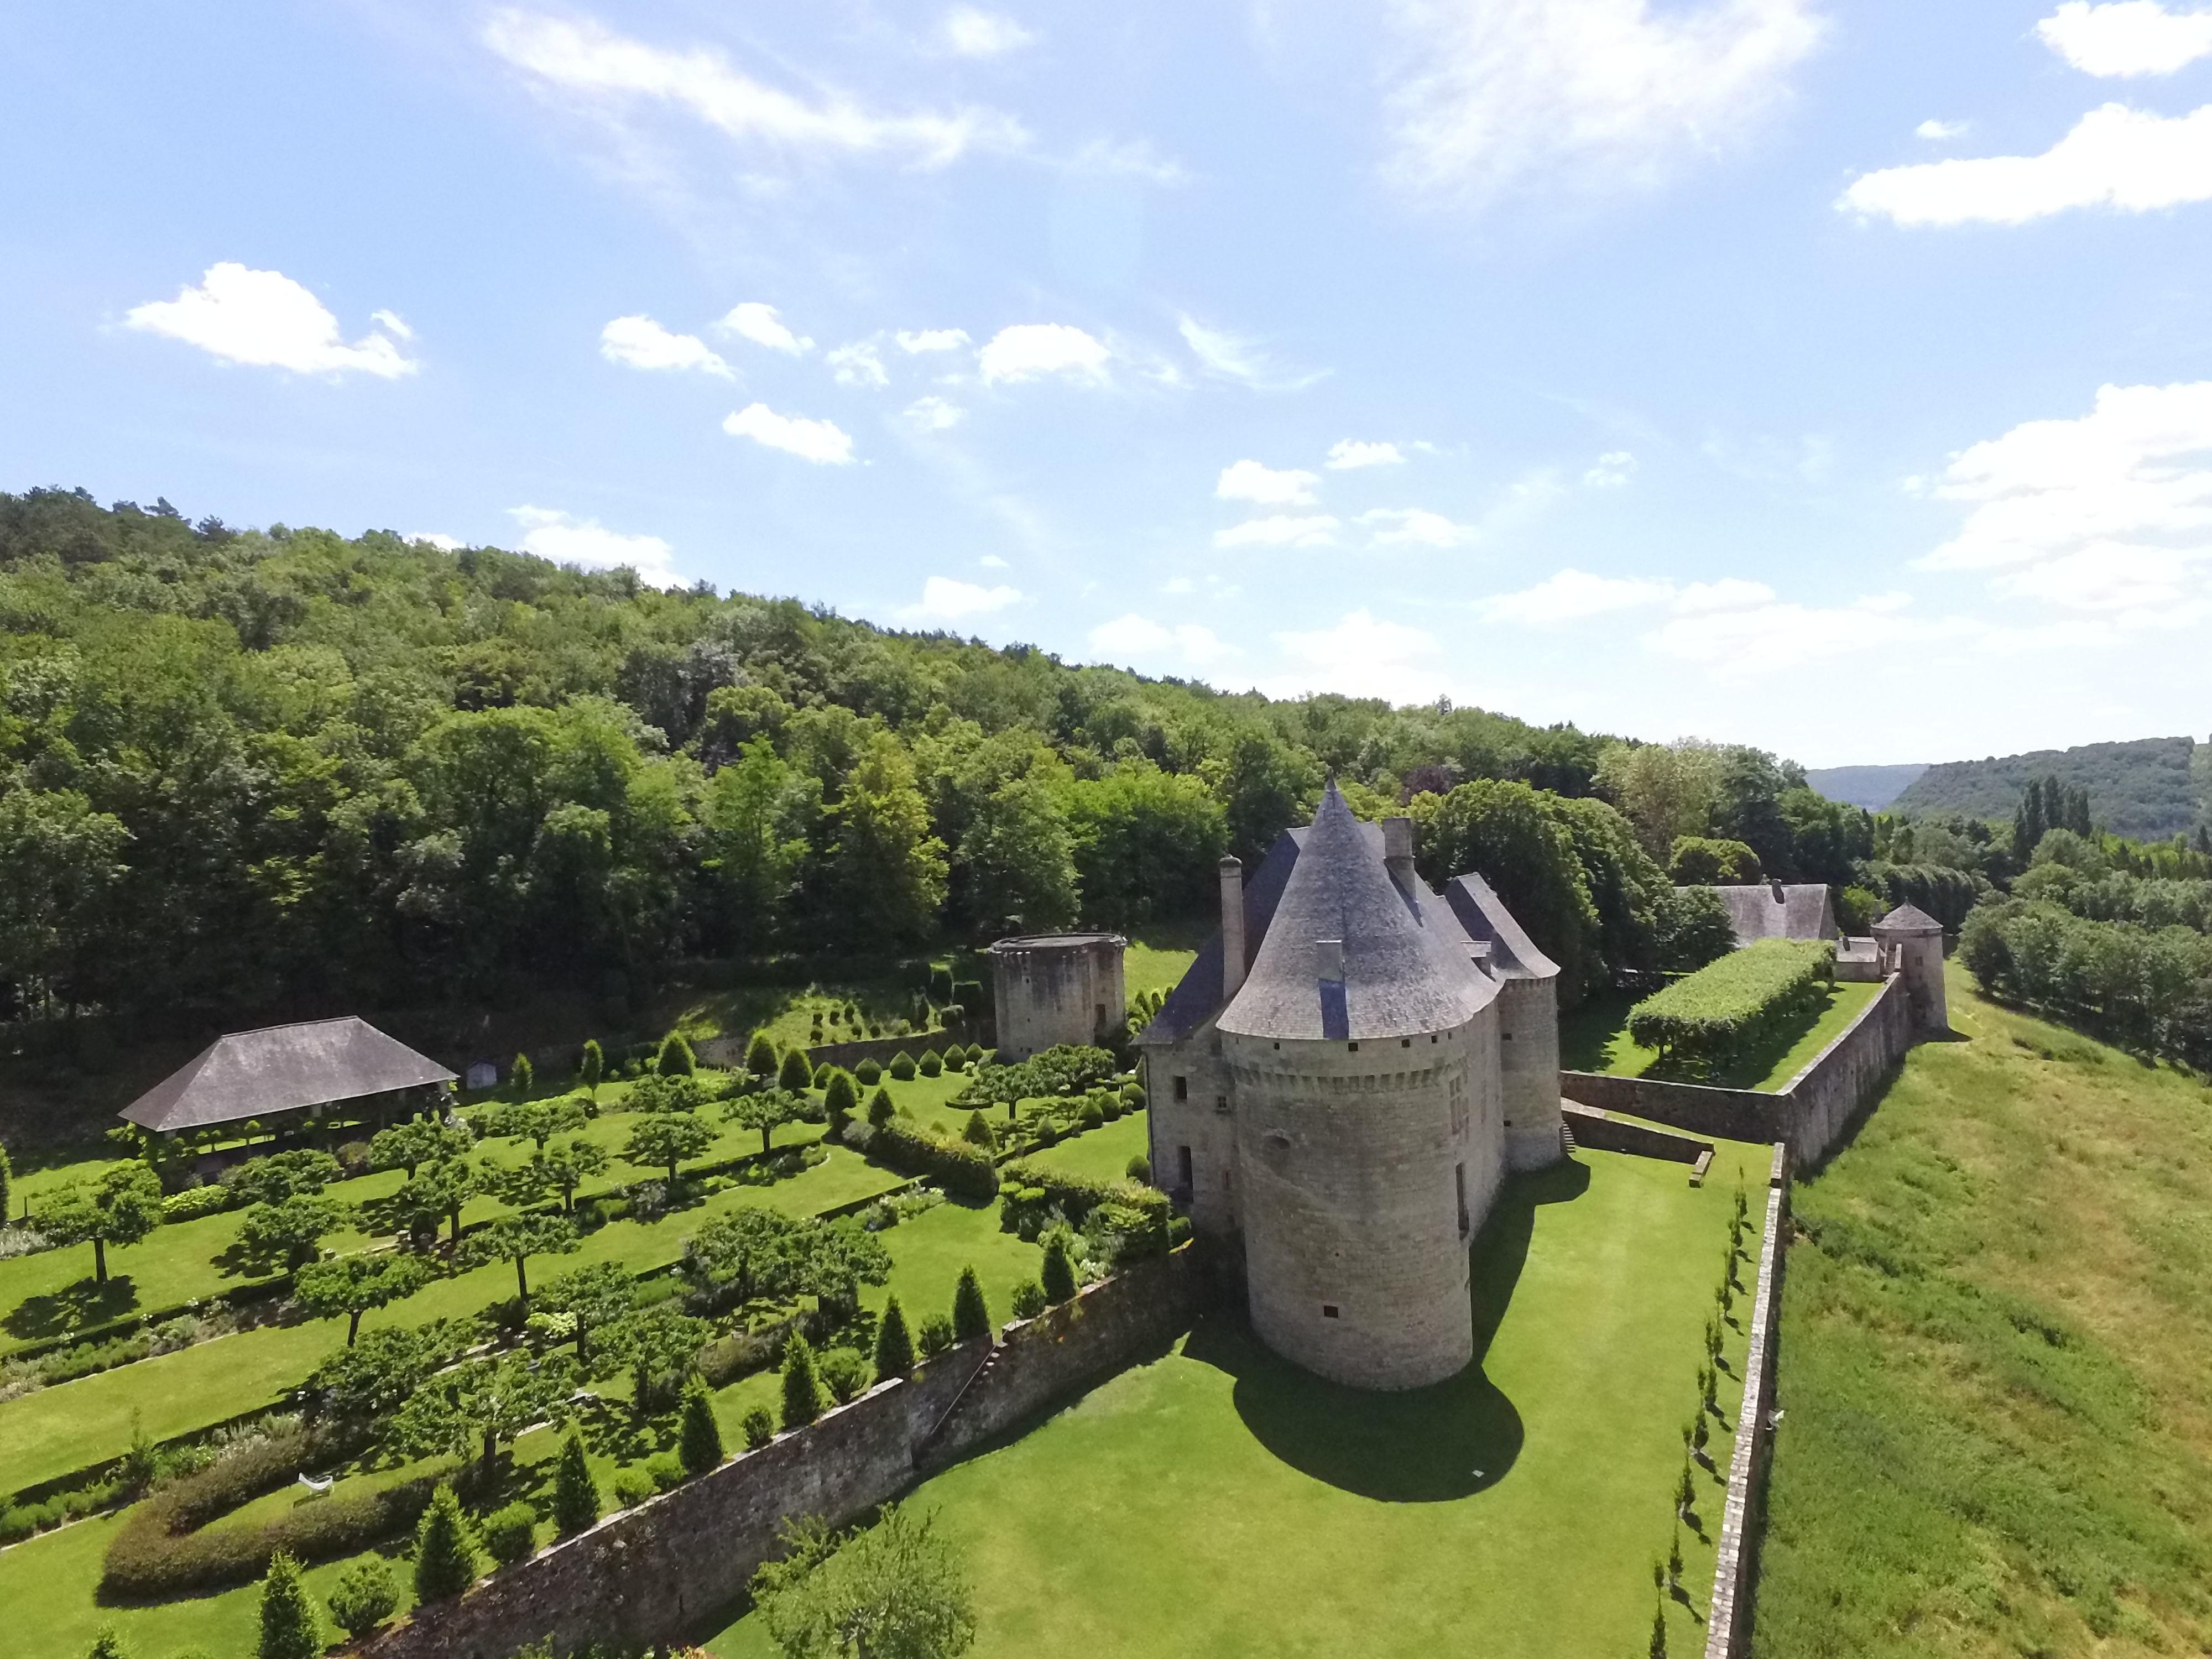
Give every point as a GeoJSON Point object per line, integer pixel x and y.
{"type": "Point", "coordinates": [1836, 379]}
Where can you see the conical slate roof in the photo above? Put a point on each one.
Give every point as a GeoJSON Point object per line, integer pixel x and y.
{"type": "Point", "coordinates": [1908, 918]}
{"type": "Point", "coordinates": [1405, 969]}
{"type": "Point", "coordinates": [280, 1069]}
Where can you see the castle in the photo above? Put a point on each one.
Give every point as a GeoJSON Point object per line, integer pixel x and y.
{"type": "Point", "coordinates": [1344, 1078]}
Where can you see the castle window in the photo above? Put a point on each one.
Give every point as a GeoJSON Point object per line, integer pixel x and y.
{"type": "Point", "coordinates": [1405, 1042]}
{"type": "Point", "coordinates": [1182, 1088]}
{"type": "Point", "coordinates": [1459, 1186]}
{"type": "Point", "coordinates": [1328, 1310]}
{"type": "Point", "coordinates": [1351, 1047]}
{"type": "Point", "coordinates": [1432, 1036]}
{"type": "Point", "coordinates": [1183, 1168]}
{"type": "Point", "coordinates": [1507, 1036]}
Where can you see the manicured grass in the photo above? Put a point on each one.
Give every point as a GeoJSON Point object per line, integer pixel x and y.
{"type": "Point", "coordinates": [1994, 1362]}
{"type": "Point", "coordinates": [1218, 1501]}
{"type": "Point", "coordinates": [1595, 1038]}
{"type": "Point", "coordinates": [1101, 1154]}
{"type": "Point", "coordinates": [1153, 968]}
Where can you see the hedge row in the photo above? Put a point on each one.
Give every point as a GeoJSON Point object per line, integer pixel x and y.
{"type": "Point", "coordinates": [1030, 1192]}
{"type": "Point", "coordinates": [1728, 1006]}
{"type": "Point", "coordinates": [167, 1544]}
{"type": "Point", "coordinates": [963, 1171]}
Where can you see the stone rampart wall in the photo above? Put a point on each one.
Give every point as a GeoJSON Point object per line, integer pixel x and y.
{"type": "Point", "coordinates": [1728, 1626]}
{"type": "Point", "coordinates": [1592, 1127]}
{"type": "Point", "coordinates": [1809, 1113]}
{"type": "Point", "coordinates": [653, 1574]}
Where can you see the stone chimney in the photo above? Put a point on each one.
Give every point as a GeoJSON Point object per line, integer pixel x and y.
{"type": "Point", "coordinates": [1232, 929]}
{"type": "Point", "coordinates": [1398, 847]}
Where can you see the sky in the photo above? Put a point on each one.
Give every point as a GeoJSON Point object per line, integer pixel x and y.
{"type": "Point", "coordinates": [1834, 379]}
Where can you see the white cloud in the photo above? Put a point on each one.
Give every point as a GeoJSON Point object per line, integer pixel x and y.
{"type": "Point", "coordinates": [265, 319]}
{"type": "Point", "coordinates": [1496, 94]}
{"type": "Point", "coordinates": [1348, 453]}
{"type": "Point", "coordinates": [1027, 350]}
{"type": "Point", "coordinates": [566, 539]}
{"type": "Point", "coordinates": [2116, 157]}
{"type": "Point", "coordinates": [762, 325]}
{"type": "Point", "coordinates": [1178, 585]}
{"type": "Point", "coordinates": [820, 441]}
{"type": "Point", "coordinates": [1936, 130]}
{"type": "Point", "coordinates": [934, 414]}
{"type": "Point", "coordinates": [1138, 636]}
{"type": "Point", "coordinates": [857, 364]}
{"type": "Point", "coordinates": [643, 344]}
{"type": "Point", "coordinates": [992, 562]}
{"type": "Point", "coordinates": [2135, 37]}
{"type": "Point", "coordinates": [440, 540]}
{"type": "Point", "coordinates": [1249, 481]}
{"type": "Point", "coordinates": [1233, 357]}
{"type": "Point", "coordinates": [590, 62]}
{"type": "Point", "coordinates": [1414, 526]}
{"type": "Point", "coordinates": [392, 323]}
{"type": "Point", "coordinates": [1362, 657]}
{"type": "Point", "coordinates": [945, 601]}
{"type": "Point", "coordinates": [1611, 471]}
{"type": "Point", "coordinates": [1740, 631]}
{"type": "Point", "coordinates": [974, 33]}
{"type": "Point", "coordinates": [1281, 530]}
{"type": "Point", "coordinates": [932, 339]}
{"type": "Point", "coordinates": [1572, 595]}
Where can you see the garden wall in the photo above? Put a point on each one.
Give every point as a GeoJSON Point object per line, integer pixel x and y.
{"type": "Point", "coordinates": [729, 1052]}
{"type": "Point", "coordinates": [1592, 1127]}
{"type": "Point", "coordinates": [1809, 1113]}
{"type": "Point", "coordinates": [653, 1574]}
{"type": "Point", "coordinates": [1728, 1627]}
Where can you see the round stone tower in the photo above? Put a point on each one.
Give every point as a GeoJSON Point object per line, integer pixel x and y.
{"type": "Point", "coordinates": [1364, 1054]}
{"type": "Point", "coordinates": [1052, 988]}
{"type": "Point", "coordinates": [1911, 944]}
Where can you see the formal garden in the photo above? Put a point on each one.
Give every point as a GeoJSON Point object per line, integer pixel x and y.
{"type": "Point", "coordinates": [305, 1341]}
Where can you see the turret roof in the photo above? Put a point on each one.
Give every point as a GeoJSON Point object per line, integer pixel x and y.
{"type": "Point", "coordinates": [1908, 918]}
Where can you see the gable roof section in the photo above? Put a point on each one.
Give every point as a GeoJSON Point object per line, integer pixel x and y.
{"type": "Point", "coordinates": [1513, 954]}
{"type": "Point", "coordinates": [282, 1068]}
{"type": "Point", "coordinates": [1802, 912]}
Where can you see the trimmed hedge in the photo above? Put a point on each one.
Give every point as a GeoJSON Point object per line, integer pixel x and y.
{"type": "Point", "coordinates": [964, 1171]}
{"type": "Point", "coordinates": [167, 1546]}
{"type": "Point", "coordinates": [1728, 1005]}
{"type": "Point", "coordinates": [1030, 1192]}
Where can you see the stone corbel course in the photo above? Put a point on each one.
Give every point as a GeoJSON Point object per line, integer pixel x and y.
{"type": "Point", "coordinates": [655, 1573]}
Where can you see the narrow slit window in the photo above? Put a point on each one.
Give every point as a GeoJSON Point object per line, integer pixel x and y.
{"type": "Point", "coordinates": [1459, 1187]}
{"type": "Point", "coordinates": [1183, 1168]}
{"type": "Point", "coordinates": [1182, 1088]}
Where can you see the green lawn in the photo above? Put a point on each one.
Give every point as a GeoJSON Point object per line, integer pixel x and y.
{"type": "Point", "coordinates": [1595, 1038]}
{"type": "Point", "coordinates": [1994, 1361]}
{"type": "Point", "coordinates": [1217, 1501]}
{"type": "Point", "coordinates": [1153, 967]}
{"type": "Point", "coordinates": [1101, 1154]}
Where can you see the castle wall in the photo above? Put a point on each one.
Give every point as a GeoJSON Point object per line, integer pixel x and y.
{"type": "Point", "coordinates": [1528, 1064]}
{"type": "Point", "coordinates": [1353, 1161]}
{"type": "Point", "coordinates": [1052, 990]}
{"type": "Point", "coordinates": [1188, 1102]}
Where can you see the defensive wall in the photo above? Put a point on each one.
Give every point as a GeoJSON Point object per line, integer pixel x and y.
{"type": "Point", "coordinates": [1728, 1625]}
{"type": "Point", "coordinates": [654, 1574]}
{"type": "Point", "coordinates": [1808, 1114]}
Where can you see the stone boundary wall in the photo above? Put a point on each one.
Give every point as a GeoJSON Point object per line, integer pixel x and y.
{"type": "Point", "coordinates": [1728, 1626]}
{"type": "Point", "coordinates": [728, 1053]}
{"type": "Point", "coordinates": [1592, 1127]}
{"type": "Point", "coordinates": [1809, 1113]}
{"type": "Point", "coordinates": [653, 1574]}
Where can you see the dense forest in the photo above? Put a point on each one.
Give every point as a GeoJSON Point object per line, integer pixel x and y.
{"type": "Point", "coordinates": [2147, 790]}
{"type": "Point", "coordinates": [262, 771]}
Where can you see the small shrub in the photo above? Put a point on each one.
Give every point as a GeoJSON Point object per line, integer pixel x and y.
{"type": "Point", "coordinates": [867, 1073]}
{"type": "Point", "coordinates": [194, 1202]}
{"type": "Point", "coordinates": [902, 1066]}
{"type": "Point", "coordinates": [1059, 1271]}
{"type": "Point", "coordinates": [290, 1626]}
{"type": "Point", "coordinates": [575, 1494]}
{"type": "Point", "coordinates": [632, 1486]}
{"type": "Point", "coordinates": [1090, 1113]}
{"type": "Point", "coordinates": [935, 1336]}
{"type": "Point", "coordinates": [666, 1471]}
{"type": "Point", "coordinates": [1111, 1106]}
{"type": "Point", "coordinates": [1132, 1096]}
{"type": "Point", "coordinates": [759, 1427]}
{"type": "Point", "coordinates": [364, 1596]}
{"type": "Point", "coordinates": [522, 1076]}
{"type": "Point", "coordinates": [445, 1555]}
{"type": "Point", "coordinates": [802, 1388]}
{"type": "Point", "coordinates": [16, 1524]}
{"type": "Point", "coordinates": [699, 1442]}
{"type": "Point", "coordinates": [760, 1055]}
{"type": "Point", "coordinates": [840, 1098]}
{"type": "Point", "coordinates": [511, 1533]}
{"type": "Point", "coordinates": [1138, 1168]}
{"type": "Point", "coordinates": [932, 1063]}
{"type": "Point", "coordinates": [1029, 1299]}
{"type": "Point", "coordinates": [844, 1373]}
{"type": "Point", "coordinates": [971, 1314]}
{"type": "Point", "coordinates": [880, 1109]}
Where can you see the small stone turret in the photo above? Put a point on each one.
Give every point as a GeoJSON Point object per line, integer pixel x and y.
{"type": "Point", "coordinates": [1911, 944]}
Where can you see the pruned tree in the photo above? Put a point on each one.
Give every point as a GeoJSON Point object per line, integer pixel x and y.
{"type": "Point", "coordinates": [516, 1238]}
{"type": "Point", "coordinates": [666, 1138]}
{"type": "Point", "coordinates": [120, 1208]}
{"type": "Point", "coordinates": [407, 1147]}
{"type": "Point", "coordinates": [595, 1296]}
{"type": "Point", "coordinates": [534, 1120]}
{"type": "Point", "coordinates": [355, 1284]}
{"type": "Point", "coordinates": [290, 1232]}
{"type": "Point", "coordinates": [658, 1344]}
{"type": "Point", "coordinates": [486, 1403]}
{"type": "Point", "coordinates": [765, 1111]}
{"type": "Point", "coordinates": [436, 1193]}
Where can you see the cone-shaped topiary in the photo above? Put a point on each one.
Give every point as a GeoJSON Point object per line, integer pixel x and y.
{"type": "Point", "coordinates": [523, 1076]}
{"type": "Point", "coordinates": [868, 1073]}
{"type": "Point", "coordinates": [802, 1387]}
{"type": "Point", "coordinates": [902, 1066]}
{"type": "Point", "coordinates": [971, 1314]}
{"type": "Point", "coordinates": [699, 1442]}
{"type": "Point", "coordinates": [796, 1073]}
{"type": "Point", "coordinates": [894, 1343]}
{"type": "Point", "coordinates": [760, 1055]}
{"type": "Point", "coordinates": [880, 1110]}
{"type": "Point", "coordinates": [677, 1059]}
{"type": "Point", "coordinates": [575, 1494]}
{"type": "Point", "coordinates": [933, 1063]}
{"type": "Point", "coordinates": [290, 1628]}
{"type": "Point", "coordinates": [1059, 1273]}
{"type": "Point", "coordinates": [593, 1066]}
{"type": "Point", "coordinates": [445, 1554]}
{"type": "Point", "coordinates": [977, 1131]}
{"type": "Point", "coordinates": [840, 1096]}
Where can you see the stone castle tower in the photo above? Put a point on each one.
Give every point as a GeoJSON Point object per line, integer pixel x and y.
{"type": "Point", "coordinates": [1343, 1080]}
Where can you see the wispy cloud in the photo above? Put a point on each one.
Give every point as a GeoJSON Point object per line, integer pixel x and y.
{"type": "Point", "coordinates": [1611, 471]}
{"type": "Point", "coordinates": [932, 339]}
{"type": "Point", "coordinates": [566, 539]}
{"type": "Point", "coordinates": [944, 600]}
{"type": "Point", "coordinates": [934, 414]}
{"type": "Point", "coordinates": [974, 33]}
{"type": "Point", "coordinates": [1250, 481]}
{"type": "Point", "coordinates": [819, 441]}
{"type": "Point", "coordinates": [266, 320]}
{"type": "Point", "coordinates": [1362, 656]}
{"type": "Point", "coordinates": [764, 326]}
{"type": "Point", "coordinates": [1573, 595]}
{"type": "Point", "coordinates": [1281, 530]}
{"type": "Point", "coordinates": [1349, 452]}
{"type": "Point", "coordinates": [640, 343]}
{"type": "Point", "coordinates": [2135, 37]}
{"type": "Point", "coordinates": [1234, 357]}
{"type": "Point", "coordinates": [1415, 526]}
{"type": "Point", "coordinates": [1936, 132]}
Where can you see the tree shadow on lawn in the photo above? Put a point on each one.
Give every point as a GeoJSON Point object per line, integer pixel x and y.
{"type": "Point", "coordinates": [1429, 1445]}
{"type": "Point", "coordinates": [72, 1308]}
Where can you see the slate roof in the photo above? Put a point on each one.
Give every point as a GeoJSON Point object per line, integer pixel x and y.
{"type": "Point", "coordinates": [1908, 918]}
{"type": "Point", "coordinates": [1801, 911]}
{"type": "Point", "coordinates": [282, 1068]}
{"type": "Point", "coordinates": [1413, 960]}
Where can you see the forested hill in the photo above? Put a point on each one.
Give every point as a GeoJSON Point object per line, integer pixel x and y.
{"type": "Point", "coordinates": [2150, 789]}
{"type": "Point", "coordinates": [285, 769]}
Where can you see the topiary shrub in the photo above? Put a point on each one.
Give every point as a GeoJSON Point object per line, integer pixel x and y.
{"type": "Point", "coordinates": [1132, 1096]}
{"type": "Point", "coordinates": [971, 1314]}
{"type": "Point", "coordinates": [1110, 1104]}
{"type": "Point", "coordinates": [511, 1533]}
{"type": "Point", "coordinates": [1138, 1168]}
{"type": "Point", "coordinates": [632, 1486]}
{"type": "Point", "coordinates": [880, 1110]}
{"type": "Point", "coordinates": [1029, 1299]}
{"type": "Point", "coordinates": [666, 1471]}
{"type": "Point", "coordinates": [840, 1098]}
{"type": "Point", "coordinates": [977, 1132]}
{"type": "Point", "coordinates": [699, 1439]}
{"type": "Point", "coordinates": [677, 1058]}
{"type": "Point", "coordinates": [364, 1596]}
{"type": "Point", "coordinates": [802, 1387]}
{"type": "Point", "coordinates": [1089, 1115]}
{"type": "Point", "coordinates": [1059, 1271]}
{"type": "Point", "coordinates": [844, 1373]}
{"type": "Point", "coordinates": [963, 1171]}
{"type": "Point", "coordinates": [290, 1627]}
{"type": "Point", "coordinates": [867, 1073]}
{"type": "Point", "coordinates": [935, 1336]}
{"type": "Point", "coordinates": [575, 1494]}
{"type": "Point", "coordinates": [758, 1427]}
{"type": "Point", "coordinates": [894, 1343]}
{"type": "Point", "coordinates": [760, 1055]}
{"type": "Point", "coordinates": [445, 1554]}
{"type": "Point", "coordinates": [796, 1072]}
{"type": "Point", "coordinates": [902, 1066]}
{"type": "Point", "coordinates": [932, 1063]}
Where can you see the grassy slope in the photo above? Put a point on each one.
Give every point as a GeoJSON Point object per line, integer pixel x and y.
{"type": "Point", "coordinates": [1595, 1038]}
{"type": "Point", "coordinates": [1999, 1430]}
{"type": "Point", "coordinates": [1218, 1501]}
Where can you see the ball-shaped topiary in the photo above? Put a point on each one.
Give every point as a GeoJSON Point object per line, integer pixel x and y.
{"type": "Point", "coordinates": [1029, 1299]}
{"type": "Point", "coordinates": [1138, 1168]}
{"type": "Point", "coordinates": [364, 1596]}
{"type": "Point", "coordinates": [758, 1427]}
{"type": "Point", "coordinates": [1132, 1097]}
{"type": "Point", "coordinates": [867, 1074]}
{"type": "Point", "coordinates": [510, 1532]}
